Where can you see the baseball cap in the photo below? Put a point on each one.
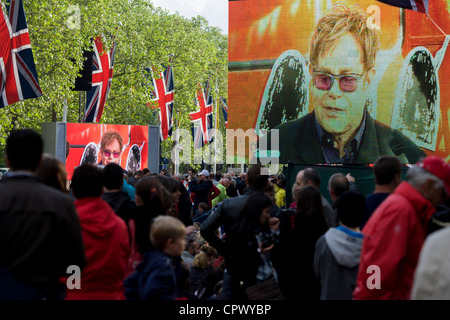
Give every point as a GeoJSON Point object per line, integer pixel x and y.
{"type": "Point", "coordinates": [438, 167]}
{"type": "Point", "coordinates": [204, 172]}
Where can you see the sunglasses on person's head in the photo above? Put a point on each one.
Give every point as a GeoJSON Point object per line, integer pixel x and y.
{"type": "Point", "coordinates": [347, 82]}
{"type": "Point", "coordinates": [108, 153]}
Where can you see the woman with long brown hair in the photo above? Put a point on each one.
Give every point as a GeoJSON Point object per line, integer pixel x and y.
{"type": "Point", "coordinates": [309, 225]}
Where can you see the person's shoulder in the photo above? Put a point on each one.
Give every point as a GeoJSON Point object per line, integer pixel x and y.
{"type": "Point", "coordinates": [322, 241]}
{"type": "Point", "coordinates": [385, 132]}
{"type": "Point", "coordinates": [234, 200]}
{"type": "Point", "coordinates": [44, 190]}
{"type": "Point", "coordinates": [121, 195]}
{"type": "Point", "coordinates": [376, 196]}
{"type": "Point", "coordinates": [379, 126]}
{"type": "Point", "coordinates": [156, 260]}
{"type": "Point", "coordinates": [438, 237]}
{"type": "Point", "coordinates": [400, 144]}
{"type": "Point", "coordinates": [294, 124]}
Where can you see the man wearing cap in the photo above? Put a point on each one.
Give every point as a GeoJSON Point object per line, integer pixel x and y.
{"type": "Point", "coordinates": [395, 233]}
{"type": "Point", "coordinates": [203, 189]}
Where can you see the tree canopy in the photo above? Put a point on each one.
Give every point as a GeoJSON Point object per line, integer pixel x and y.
{"type": "Point", "coordinates": [146, 36]}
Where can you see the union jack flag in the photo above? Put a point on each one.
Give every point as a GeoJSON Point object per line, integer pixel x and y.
{"type": "Point", "coordinates": [224, 105]}
{"type": "Point", "coordinates": [18, 77]}
{"type": "Point", "coordinates": [102, 72]}
{"type": "Point", "coordinates": [416, 5]}
{"type": "Point", "coordinates": [163, 92]}
{"type": "Point", "coordinates": [202, 120]}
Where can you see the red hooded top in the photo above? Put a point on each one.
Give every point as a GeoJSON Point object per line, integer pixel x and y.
{"type": "Point", "coordinates": [393, 238]}
{"type": "Point", "coordinates": [107, 247]}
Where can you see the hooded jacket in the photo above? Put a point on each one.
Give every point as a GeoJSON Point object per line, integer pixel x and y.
{"type": "Point", "coordinates": [107, 246]}
{"type": "Point", "coordinates": [393, 239]}
{"type": "Point", "coordinates": [154, 278]}
{"type": "Point", "coordinates": [120, 202]}
{"type": "Point", "coordinates": [336, 262]}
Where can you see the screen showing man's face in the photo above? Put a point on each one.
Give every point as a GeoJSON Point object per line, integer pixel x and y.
{"type": "Point", "coordinates": [337, 111]}
{"type": "Point", "coordinates": [274, 47]}
{"type": "Point", "coordinates": [111, 153]}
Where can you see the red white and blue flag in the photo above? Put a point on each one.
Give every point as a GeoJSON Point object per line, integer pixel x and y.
{"type": "Point", "coordinates": [18, 77]}
{"type": "Point", "coordinates": [202, 120]}
{"type": "Point", "coordinates": [416, 5]}
{"type": "Point", "coordinates": [223, 103]}
{"type": "Point", "coordinates": [102, 73]}
{"type": "Point", "coordinates": [163, 93]}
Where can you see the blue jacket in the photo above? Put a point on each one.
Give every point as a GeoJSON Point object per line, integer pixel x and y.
{"type": "Point", "coordinates": [154, 278]}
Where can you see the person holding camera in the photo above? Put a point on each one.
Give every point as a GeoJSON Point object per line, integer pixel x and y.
{"type": "Point", "coordinates": [248, 246]}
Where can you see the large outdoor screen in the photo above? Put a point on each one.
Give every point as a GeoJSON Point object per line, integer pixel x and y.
{"type": "Point", "coordinates": [101, 144]}
{"type": "Point", "coordinates": [341, 83]}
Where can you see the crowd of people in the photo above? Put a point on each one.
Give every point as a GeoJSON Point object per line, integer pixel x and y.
{"type": "Point", "coordinates": [204, 236]}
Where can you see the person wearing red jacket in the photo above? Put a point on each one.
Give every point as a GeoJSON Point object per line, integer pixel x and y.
{"type": "Point", "coordinates": [105, 237]}
{"type": "Point", "coordinates": [395, 233]}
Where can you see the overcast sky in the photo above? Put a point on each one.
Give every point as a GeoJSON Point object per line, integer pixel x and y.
{"type": "Point", "coordinates": [215, 11]}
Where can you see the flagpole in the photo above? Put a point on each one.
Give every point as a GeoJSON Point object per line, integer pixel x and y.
{"type": "Point", "coordinates": [177, 155]}
{"type": "Point", "coordinates": [65, 111]}
{"type": "Point", "coordinates": [215, 129]}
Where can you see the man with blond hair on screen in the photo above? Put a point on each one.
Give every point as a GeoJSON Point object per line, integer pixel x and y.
{"type": "Point", "coordinates": [111, 147]}
{"type": "Point", "coordinates": [339, 128]}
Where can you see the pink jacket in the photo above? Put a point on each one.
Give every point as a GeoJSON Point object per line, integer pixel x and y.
{"type": "Point", "coordinates": [393, 238]}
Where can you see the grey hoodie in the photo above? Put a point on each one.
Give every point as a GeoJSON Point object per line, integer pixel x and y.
{"type": "Point", "coordinates": [345, 248]}
{"type": "Point", "coordinates": [336, 263]}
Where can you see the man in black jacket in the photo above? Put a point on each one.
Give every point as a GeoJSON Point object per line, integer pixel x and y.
{"type": "Point", "coordinates": [202, 189]}
{"type": "Point", "coordinates": [226, 215]}
{"type": "Point", "coordinates": [40, 234]}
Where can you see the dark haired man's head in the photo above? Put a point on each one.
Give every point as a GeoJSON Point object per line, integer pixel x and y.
{"type": "Point", "coordinates": [337, 185]}
{"type": "Point", "coordinates": [24, 150]}
{"type": "Point", "coordinates": [387, 169]}
{"type": "Point", "coordinates": [113, 176]}
{"type": "Point", "coordinates": [311, 176]}
{"type": "Point", "coordinates": [305, 177]}
{"type": "Point", "coordinates": [138, 174]}
{"type": "Point", "coordinates": [202, 207]}
{"type": "Point", "coordinates": [255, 179]}
{"type": "Point", "coordinates": [87, 181]}
{"type": "Point", "coordinates": [351, 206]}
